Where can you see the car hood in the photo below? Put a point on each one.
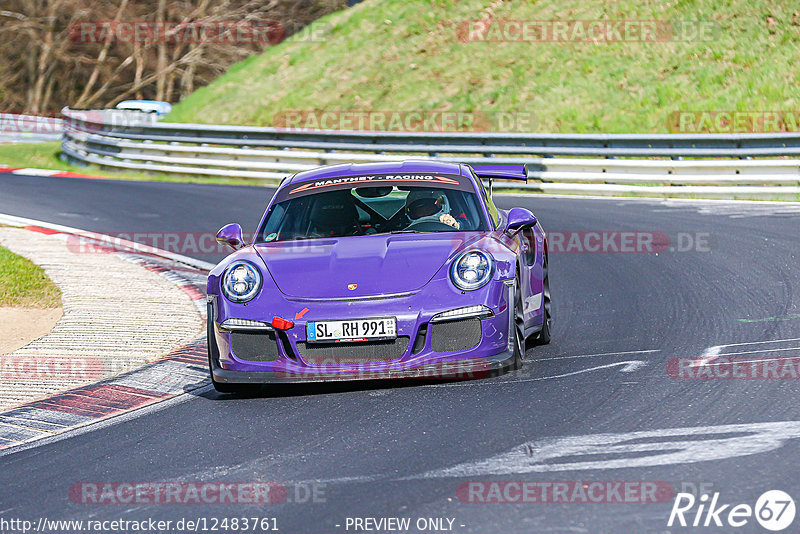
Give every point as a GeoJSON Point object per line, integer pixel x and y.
{"type": "Point", "coordinates": [375, 265]}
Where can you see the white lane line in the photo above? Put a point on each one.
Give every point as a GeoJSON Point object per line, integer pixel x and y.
{"type": "Point", "coordinates": [761, 342]}
{"type": "Point", "coordinates": [712, 353]}
{"type": "Point", "coordinates": [758, 351]}
{"type": "Point", "coordinates": [599, 354]}
{"type": "Point", "coordinates": [628, 367]}
{"type": "Point", "coordinates": [709, 355]}
{"type": "Point", "coordinates": [667, 446]}
{"type": "Point", "coordinates": [759, 360]}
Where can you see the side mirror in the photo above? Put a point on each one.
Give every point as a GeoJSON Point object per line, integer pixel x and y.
{"type": "Point", "coordinates": [519, 218]}
{"type": "Point", "coordinates": [231, 235]}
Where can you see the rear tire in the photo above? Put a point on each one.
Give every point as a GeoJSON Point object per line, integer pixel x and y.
{"type": "Point", "coordinates": [543, 338]}
{"type": "Point", "coordinates": [519, 328]}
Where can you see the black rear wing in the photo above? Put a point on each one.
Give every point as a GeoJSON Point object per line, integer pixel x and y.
{"type": "Point", "coordinates": [500, 172]}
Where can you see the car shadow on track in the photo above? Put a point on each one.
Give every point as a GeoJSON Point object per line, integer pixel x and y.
{"type": "Point", "coordinates": [325, 388]}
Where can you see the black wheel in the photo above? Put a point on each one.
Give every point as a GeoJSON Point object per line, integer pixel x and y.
{"type": "Point", "coordinates": [519, 327]}
{"type": "Point", "coordinates": [543, 338]}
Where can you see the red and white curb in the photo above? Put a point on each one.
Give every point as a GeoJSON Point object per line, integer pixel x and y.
{"type": "Point", "coordinates": [46, 172]}
{"type": "Point", "coordinates": [174, 374]}
{"type": "Point", "coordinates": [115, 243]}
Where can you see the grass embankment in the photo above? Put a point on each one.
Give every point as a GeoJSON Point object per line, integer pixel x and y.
{"type": "Point", "coordinates": [404, 56]}
{"type": "Point", "coordinates": [24, 284]}
{"type": "Point", "coordinates": [391, 55]}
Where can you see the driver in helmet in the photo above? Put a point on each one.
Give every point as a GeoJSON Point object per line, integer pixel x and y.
{"type": "Point", "coordinates": [425, 205]}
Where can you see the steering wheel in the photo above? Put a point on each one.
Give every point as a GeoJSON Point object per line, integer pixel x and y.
{"type": "Point", "coordinates": [351, 231]}
{"type": "Point", "coordinates": [430, 226]}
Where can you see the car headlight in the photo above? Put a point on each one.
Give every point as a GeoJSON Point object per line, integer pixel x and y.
{"type": "Point", "coordinates": [241, 281]}
{"type": "Point", "coordinates": [472, 270]}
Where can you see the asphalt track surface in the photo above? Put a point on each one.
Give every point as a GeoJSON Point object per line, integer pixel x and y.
{"type": "Point", "coordinates": [386, 450]}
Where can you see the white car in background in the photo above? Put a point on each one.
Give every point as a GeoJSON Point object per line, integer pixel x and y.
{"type": "Point", "coordinates": [146, 106]}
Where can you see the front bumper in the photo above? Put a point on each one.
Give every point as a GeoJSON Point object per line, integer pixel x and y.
{"type": "Point", "coordinates": [451, 370]}
{"type": "Point", "coordinates": [418, 352]}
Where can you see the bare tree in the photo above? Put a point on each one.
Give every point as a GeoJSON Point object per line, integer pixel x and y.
{"type": "Point", "coordinates": [101, 58]}
{"type": "Point", "coordinates": [47, 60]}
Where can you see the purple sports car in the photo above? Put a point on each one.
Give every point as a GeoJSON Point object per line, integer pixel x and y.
{"type": "Point", "coordinates": [379, 270]}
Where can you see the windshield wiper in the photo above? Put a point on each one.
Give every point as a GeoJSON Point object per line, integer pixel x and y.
{"type": "Point", "coordinates": [405, 232]}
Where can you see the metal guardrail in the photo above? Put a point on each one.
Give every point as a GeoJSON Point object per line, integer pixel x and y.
{"type": "Point", "coordinates": [130, 141]}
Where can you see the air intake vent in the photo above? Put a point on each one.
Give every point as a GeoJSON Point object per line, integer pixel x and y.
{"type": "Point", "coordinates": [455, 335]}
{"type": "Point", "coordinates": [353, 353]}
{"type": "Point", "coordinates": [255, 347]}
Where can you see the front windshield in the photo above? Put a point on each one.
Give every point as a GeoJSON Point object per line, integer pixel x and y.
{"type": "Point", "coordinates": [373, 204]}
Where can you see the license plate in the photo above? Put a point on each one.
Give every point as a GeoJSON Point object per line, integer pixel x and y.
{"type": "Point", "coordinates": [351, 330]}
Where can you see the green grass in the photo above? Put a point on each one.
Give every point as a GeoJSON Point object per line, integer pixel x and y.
{"type": "Point", "coordinates": [405, 55]}
{"type": "Point", "coordinates": [46, 156]}
{"type": "Point", "coordinates": [24, 284]}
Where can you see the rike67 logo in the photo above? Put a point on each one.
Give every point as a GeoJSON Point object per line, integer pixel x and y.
{"type": "Point", "coordinates": [774, 510]}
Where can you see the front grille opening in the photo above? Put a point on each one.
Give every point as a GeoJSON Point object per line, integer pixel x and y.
{"type": "Point", "coordinates": [255, 346]}
{"type": "Point", "coordinates": [455, 335]}
{"type": "Point", "coordinates": [419, 342]}
{"type": "Point", "coordinates": [353, 353]}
